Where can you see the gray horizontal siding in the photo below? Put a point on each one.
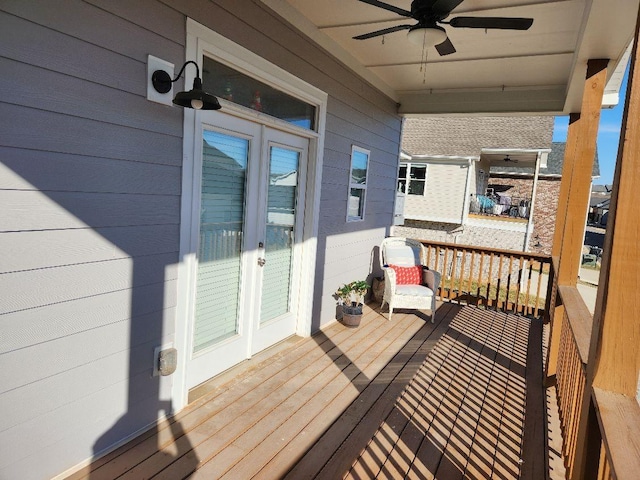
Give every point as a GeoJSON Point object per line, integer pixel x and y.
{"type": "Point", "coordinates": [105, 380]}
{"type": "Point", "coordinates": [90, 182]}
{"type": "Point", "coordinates": [63, 284]}
{"type": "Point", "coordinates": [25, 328]}
{"type": "Point", "coordinates": [57, 92]}
{"type": "Point", "coordinates": [23, 169]}
{"type": "Point", "coordinates": [25, 210]}
{"type": "Point", "coordinates": [25, 367]}
{"type": "Point", "coordinates": [22, 127]}
{"type": "Point", "coordinates": [54, 248]}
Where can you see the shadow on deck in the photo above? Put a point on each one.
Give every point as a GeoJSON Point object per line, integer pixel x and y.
{"type": "Point", "coordinates": [461, 398]}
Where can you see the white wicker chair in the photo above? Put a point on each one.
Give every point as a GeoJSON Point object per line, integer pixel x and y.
{"type": "Point", "coordinates": [405, 252]}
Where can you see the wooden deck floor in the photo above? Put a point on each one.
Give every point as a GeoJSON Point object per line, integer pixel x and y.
{"type": "Point", "coordinates": [461, 398]}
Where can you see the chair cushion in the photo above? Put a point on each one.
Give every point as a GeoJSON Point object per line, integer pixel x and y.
{"type": "Point", "coordinates": [408, 275]}
{"type": "Point", "coordinates": [402, 255]}
{"type": "Point", "coordinates": [414, 290]}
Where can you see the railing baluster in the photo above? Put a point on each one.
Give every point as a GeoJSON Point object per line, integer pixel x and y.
{"type": "Point", "coordinates": [518, 304]}
{"type": "Point", "coordinates": [445, 274]}
{"type": "Point", "coordinates": [535, 311]}
{"type": "Point", "coordinates": [500, 277]}
{"type": "Point", "coordinates": [499, 303]}
{"type": "Point", "coordinates": [509, 272]}
{"type": "Point", "coordinates": [472, 254]}
{"type": "Point", "coordinates": [489, 301]}
{"type": "Point", "coordinates": [480, 276]}
{"type": "Point", "coordinates": [463, 259]}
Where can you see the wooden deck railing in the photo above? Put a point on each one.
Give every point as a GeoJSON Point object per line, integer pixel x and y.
{"type": "Point", "coordinates": [600, 429]}
{"type": "Point", "coordinates": [571, 374]}
{"type": "Point", "coordinates": [516, 282]}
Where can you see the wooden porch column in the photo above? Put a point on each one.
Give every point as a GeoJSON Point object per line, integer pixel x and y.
{"type": "Point", "coordinates": [575, 187]}
{"type": "Point", "coordinates": [614, 359]}
{"type": "Point", "coordinates": [616, 332]}
{"type": "Point", "coordinates": [579, 155]}
{"type": "Point", "coordinates": [565, 184]}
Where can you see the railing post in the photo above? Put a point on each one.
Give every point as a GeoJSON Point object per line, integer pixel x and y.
{"type": "Point", "coordinates": [615, 343]}
{"type": "Point", "coordinates": [569, 234]}
{"type": "Point", "coordinates": [574, 189]}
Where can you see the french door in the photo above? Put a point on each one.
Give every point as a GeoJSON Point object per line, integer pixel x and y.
{"type": "Point", "coordinates": [247, 208]}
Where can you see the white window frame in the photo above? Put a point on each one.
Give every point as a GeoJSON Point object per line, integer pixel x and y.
{"type": "Point", "coordinates": [407, 178]}
{"type": "Point", "coordinates": [358, 186]}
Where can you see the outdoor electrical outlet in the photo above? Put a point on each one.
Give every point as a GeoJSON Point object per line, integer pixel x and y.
{"type": "Point", "coordinates": [165, 360]}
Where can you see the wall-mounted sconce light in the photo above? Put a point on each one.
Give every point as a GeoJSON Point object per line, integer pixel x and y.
{"type": "Point", "coordinates": [194, 98]}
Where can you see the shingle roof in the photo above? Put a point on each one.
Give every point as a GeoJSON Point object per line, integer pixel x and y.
{"type": "Point", "coordinates": [467, 136]}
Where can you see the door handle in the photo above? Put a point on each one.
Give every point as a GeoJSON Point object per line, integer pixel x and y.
{"type": "Point", "coordinates": [261, 261]}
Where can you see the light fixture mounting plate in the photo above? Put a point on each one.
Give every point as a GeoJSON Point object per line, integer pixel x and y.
{"type": "Point", "coordinates": [153, 94]}
{"type": "Point", "coordinates": [161, 81]}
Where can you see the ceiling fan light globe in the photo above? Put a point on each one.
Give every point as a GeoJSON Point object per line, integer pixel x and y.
{"type": "Point", "coordinates": [427, 36]}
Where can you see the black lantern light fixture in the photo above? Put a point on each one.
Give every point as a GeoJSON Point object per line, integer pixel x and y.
{"type": "Point", "coordinates": [194, 98]}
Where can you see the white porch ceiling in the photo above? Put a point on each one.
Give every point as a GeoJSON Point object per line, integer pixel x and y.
{"type": "Point", "coordinates": [540, 70]}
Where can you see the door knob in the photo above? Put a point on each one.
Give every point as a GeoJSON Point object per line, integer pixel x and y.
{"type": "Point", "coordinates": [261, 261]}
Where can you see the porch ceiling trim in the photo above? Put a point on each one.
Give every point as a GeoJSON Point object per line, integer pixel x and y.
{"type": "Point", "coordinates": [540, 71]}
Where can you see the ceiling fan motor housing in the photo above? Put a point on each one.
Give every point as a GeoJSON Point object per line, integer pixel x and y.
{"type": "Point", "coordinates": [422, 11]}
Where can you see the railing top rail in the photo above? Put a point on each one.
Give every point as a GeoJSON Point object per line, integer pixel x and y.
{"type": "Point", "coordinates": [580, 319]}
{"type": "Point", "coordinates": [515, 253]}
{"type": "Point", "coordinates": [619, 413]}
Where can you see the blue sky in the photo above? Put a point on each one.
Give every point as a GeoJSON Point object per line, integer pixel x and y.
{"type": "Point", "coordinates": [608, 136]}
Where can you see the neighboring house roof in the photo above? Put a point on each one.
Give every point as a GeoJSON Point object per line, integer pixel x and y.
{"type": "Point", "coordinates": [555, 162]}
{"type": "Point", "coordinates": [602, 189]}
{"type": "Point", "coordinates": [600, 196]}
{"type": "Point", "coordinates": [467, 136]}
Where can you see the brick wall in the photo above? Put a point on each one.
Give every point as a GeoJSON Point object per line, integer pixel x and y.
{"type": "Point", "coordinates": [544, 216]}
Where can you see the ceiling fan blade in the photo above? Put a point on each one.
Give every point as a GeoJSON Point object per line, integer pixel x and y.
{"type": "Point", "coordinates": [444, 6]}
{"type": "Point", "coordinates": [446, 48]}
{"type": "Point", "coordinates": [386, 6]}
{"type": "Point", "coordinates": [384, 31]}
{"type": "Point", "coordinates": [504, 23]}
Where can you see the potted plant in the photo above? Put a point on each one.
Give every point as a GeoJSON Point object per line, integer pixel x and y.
{"type": "Point", "coordinates": [351, 299]}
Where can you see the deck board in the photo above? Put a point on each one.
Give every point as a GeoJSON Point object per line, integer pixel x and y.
{"type": "Point", "coordinates": [398, 399]}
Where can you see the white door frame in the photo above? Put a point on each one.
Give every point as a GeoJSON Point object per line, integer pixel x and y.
{"type": "Point", "coordinates": [202, 41]}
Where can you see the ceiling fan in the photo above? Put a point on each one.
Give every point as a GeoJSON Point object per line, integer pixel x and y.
{"type": "Point", "coordinates": [509, 159]}
{"type": "Point", "coordinates": [430, 13]}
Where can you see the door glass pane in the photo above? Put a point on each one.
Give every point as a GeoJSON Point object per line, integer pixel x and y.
{"type": "Point", "coordinates": [224, 167]}
{"type": "Point", "coordinates": [281, 214]}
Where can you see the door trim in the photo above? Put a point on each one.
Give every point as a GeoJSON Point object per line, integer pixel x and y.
{"type": "Point", "coordinates": [200, 41]}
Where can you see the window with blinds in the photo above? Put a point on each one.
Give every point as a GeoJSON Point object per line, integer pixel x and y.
{"type": "Point", "coordinates": [224, 167]}
{"type": "Point", "coordinates": [280, 234]}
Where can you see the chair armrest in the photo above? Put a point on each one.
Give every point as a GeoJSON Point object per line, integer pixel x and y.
{"type": "Point", "coordinates": [431, 279]}
{"type": "Point", "coordinates": [389, 276]}
{"type": "Point", "coordinates": [389, 281]}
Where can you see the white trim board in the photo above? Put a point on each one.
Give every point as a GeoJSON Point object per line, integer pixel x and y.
{"type": "Point", "coordinates": [200, 41]}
